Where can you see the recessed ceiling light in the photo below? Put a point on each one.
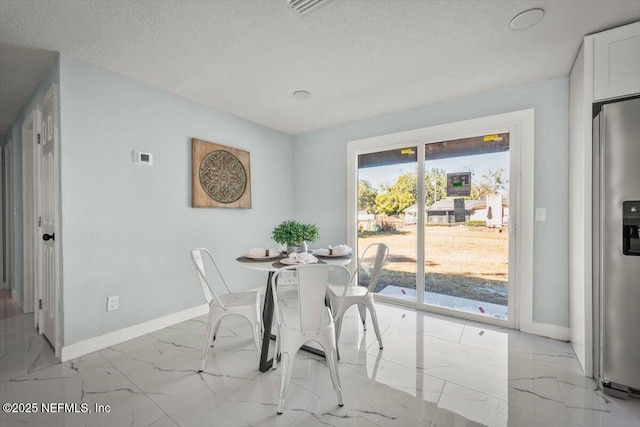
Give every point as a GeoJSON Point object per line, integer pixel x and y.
{"type": "Point", "coordinates": [302, 94]}
{"type": "Point", "coordinates": [526, 19]}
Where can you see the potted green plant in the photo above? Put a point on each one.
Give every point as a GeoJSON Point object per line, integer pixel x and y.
{"type": "Point", "coordinates": [295, 235]}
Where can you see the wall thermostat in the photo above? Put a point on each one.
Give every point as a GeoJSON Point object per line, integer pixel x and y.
{"type": "Point", "coordinates": [142, 158]}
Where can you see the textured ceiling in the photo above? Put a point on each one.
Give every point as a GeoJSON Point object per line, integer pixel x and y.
{"type": "Point", "coordinates": [359, 59]}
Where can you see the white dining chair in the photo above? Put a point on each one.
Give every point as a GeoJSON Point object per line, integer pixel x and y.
{"type": "Point", "coordinates": [307, 319]}
{"type": "Point", "coordinates": [344, 296]}
{"type": "Point", "coordinates": [245, 304]}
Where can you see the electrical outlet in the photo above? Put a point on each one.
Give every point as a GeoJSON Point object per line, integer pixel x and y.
{"type": "Point", "coordinates": [112, 303]}
{"type": "Point", "coordinates": [541, 214]}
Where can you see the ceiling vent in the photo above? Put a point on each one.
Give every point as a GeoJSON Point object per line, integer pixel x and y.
{"type": "Point", "coordinates": [306, 7]}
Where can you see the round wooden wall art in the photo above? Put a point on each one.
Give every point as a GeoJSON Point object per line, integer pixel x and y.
{"type": "Point", "coordinates": [220, 176]}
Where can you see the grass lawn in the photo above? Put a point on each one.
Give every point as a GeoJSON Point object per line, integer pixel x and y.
{"type": "Point", "coordinates": [468, 262]}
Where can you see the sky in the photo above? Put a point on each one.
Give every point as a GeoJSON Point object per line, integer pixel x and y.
{"type": "Point", "coordinates": [478, 164]}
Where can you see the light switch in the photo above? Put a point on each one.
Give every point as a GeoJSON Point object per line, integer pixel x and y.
{"type": "Point", "coordinates": [541, 214]}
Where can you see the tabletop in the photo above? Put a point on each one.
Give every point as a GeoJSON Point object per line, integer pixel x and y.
{"type": "Point", "coordinates": [273, 263]}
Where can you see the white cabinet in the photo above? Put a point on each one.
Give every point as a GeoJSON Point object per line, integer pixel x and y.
{"type": "Point", "coordinates": [617, 62]}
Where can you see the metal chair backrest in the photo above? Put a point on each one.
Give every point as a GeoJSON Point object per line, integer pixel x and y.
{"type": "Point", "coordinates": [208, 291]}
{"type": "Point", "coordinates": [370, 264]}
{"type": "Point", "coordinates": [312, 288]}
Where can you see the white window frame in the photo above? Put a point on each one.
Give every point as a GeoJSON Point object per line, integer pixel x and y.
{"type": "Point", "coordinates": [520, 126]}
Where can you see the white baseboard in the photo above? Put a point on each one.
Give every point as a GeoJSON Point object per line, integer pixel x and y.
{"type": "Point", "coordinates": [561, 333]}
{"type": "Point", "coordinates": [16, 298]}
{"type": "Point", "coordinates": [112, 338]}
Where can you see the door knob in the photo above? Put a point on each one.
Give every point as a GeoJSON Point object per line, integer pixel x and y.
{"type": "Point", "coordinates": [47, 237]}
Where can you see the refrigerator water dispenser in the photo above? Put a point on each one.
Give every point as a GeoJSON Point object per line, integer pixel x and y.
{"type": "Point", "coordinates": [630, 226]}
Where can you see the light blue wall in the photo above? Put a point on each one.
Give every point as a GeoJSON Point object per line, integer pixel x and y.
{"type": "Point", "coordinates": [320, 158]}
{"type": "Point", "coordinates": [14, 134]}
{"type": "Point", "coordinates": [128, 230]}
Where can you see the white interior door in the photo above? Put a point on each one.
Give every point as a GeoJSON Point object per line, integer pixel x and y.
{"type": "Point", "coordinates": [29, 141]}
{"type": "Point", "coordinates": [47, 212]}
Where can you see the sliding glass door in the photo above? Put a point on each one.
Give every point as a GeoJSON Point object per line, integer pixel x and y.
{"type": "Point", "coordinates": [387, 189]}
{"type": "Point", "coordinates": [466, 234]}
{"type": "Point", "coordinates": [443, 208]}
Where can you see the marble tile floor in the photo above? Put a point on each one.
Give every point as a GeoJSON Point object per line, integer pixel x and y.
{"type": "Point", "coordinates": [8, 307]}
{"type": "Point", "coordinates": [434, 371]}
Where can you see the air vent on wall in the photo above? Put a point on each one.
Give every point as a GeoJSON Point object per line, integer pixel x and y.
{"type": "Point", "coordinates": [305, 7]}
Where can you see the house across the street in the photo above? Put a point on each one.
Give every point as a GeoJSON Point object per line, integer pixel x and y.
{"type": "Point", "coordinates": [494, 210]}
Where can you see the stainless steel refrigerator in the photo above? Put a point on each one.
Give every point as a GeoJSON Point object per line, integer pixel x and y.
{"type": "Point", "coordinates": [616, 216]}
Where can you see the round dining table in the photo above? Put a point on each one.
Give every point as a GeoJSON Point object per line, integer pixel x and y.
{"type": "Point", "coordinates": [270, 265]}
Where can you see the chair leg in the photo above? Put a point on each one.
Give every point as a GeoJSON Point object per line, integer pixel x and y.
{"type": "Point", "coordinates": [257, 334]}
{"type": "Point", "coordinates": [287, 367]}
{"type": "Point", "coordinates": [374, 320]}
{"type": "Point", "coordinates": [363, 315]}
{"type": "Point", "coordinates": [259, 317]}
{"type": "Point", "coordinates": [215, 332]}
{"type": "Point", "coordinates": [332, 361]}
{"type": "Point", "coordinates": [337, 319]}
{"type": "Point", "coordinates": [276, 353]}
{"type": "Point", "coordinates": [205, 349]}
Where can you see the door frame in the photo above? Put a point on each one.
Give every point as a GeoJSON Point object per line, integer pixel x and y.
{"type": "Point", "coordinates": [2, 208]}
{"type": "Point", "coordinates": [57, 341]}
{"type": "Point", "coordinates": [29, 226]}
{"type": "Point", "coordinates": [9, 219]}
{"type": "Point", "coordinates": [520, 125]}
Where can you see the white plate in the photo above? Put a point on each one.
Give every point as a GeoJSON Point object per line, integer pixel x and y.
{"type": "Point", "coordinates": [331, 256]}
{"type": "Point", "coordinates": [262, 257]}
{"type": "Point", "coordinates": [289, 261]}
